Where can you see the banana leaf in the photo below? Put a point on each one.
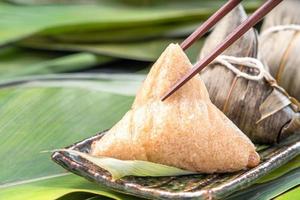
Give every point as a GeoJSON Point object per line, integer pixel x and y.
{"type": "Point", "coordinates": [142, 51]}
{"type": "Point", "coordinates": [99, 22]}
{"type": "Point", "coordinates": [19, 62]}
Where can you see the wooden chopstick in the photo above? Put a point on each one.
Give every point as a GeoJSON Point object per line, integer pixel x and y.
{"type": "Point", "coordinates": [231, 38]}
{"type": "Point", "coordinates": [208, 24]}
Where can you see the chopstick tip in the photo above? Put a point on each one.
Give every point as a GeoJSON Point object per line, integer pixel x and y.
{"type": "Point", "coordinates": [164, 98]}
{"type": "Point", "coordinates": [168, 94]}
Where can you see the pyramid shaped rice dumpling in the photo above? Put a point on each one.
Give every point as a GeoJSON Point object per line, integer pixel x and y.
{"type": "Point", "coordinates": [185, 131]}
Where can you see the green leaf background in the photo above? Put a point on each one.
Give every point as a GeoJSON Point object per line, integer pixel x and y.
{"type": "Point", "coordinates": [40, 115]}
{"type": "Point", "coordinates": [43, 110]}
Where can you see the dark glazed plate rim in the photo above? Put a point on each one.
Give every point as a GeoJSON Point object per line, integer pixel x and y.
{"type": "Point", "coordinates": [273, 158]}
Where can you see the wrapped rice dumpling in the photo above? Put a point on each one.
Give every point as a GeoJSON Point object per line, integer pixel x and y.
{"type": "Point", "coordinates": [280, 45]}
{"type": "Point", "coordinates": [185, 131]}
{"type": "Point", "coordinates": [257, 105]}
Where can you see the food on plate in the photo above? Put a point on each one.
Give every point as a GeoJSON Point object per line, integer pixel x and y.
{"type": "Point", "coordinates": [186, 131]}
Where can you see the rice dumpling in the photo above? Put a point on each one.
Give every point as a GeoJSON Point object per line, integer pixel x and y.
{"type": "Point", "coordinates": [260, 108]}
{"type": "Point", "coordinates": [185, 131]}
{"type": "Point", "coordinates": [280, 45]}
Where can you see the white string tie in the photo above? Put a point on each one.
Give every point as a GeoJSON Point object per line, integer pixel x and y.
{"type": "Point", "coordinates": [229, 61]}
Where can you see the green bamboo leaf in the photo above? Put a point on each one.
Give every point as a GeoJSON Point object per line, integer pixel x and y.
{"type": "Point", "coordinates": [51, 112]}
{"type": "Point", "coordinates": [121, 84]}
{"type": "Point", "coordinates": [269, 189]}
{"type": "Point", "coordinates": [125, 2]}
{"type": "Point", "coordinates": [71, 22]}
{"type": "Point", "coordinates": [13, 59]}
{"type": "Point", "coordinates": [56, 187]}
{"type": "Point", "coordinates": [293, 164]}
{"type": "Point", "coordinates": [79, 196]}
{"type": "Point", "coordinates": [122, 34]}
{"type": "Point", "coordinates": [19, 62]}
{"type": "Point", "coordinates": [121, 168]}
{"type": "Point", "coordinates": [67, 63]}
{"type": "Point", "coordinates": [142, 51]}
{"type": "Point", "coordinates": [292, 194]}
{"type": "Point", "coordinates": [37, 117]}
{"type": "Point", "coordinates": [152, 3]}
{"type": "Point", "coordinates": [96, 198]}
{"type": "Point", "coordinates": [100, 22]}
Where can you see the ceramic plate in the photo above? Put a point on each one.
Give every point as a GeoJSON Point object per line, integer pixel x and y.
{"type": "Point", "coordinates": [182, 187]}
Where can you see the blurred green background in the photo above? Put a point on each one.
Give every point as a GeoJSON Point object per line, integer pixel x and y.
{"type": "Point", "coordinates": [70, 68]}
